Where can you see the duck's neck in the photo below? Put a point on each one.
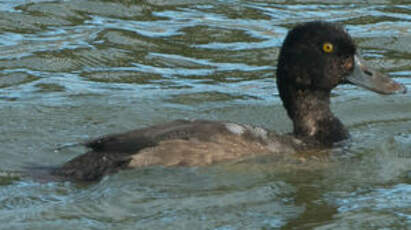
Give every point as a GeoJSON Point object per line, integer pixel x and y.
{"type": "Point", "coordinates": [312, 117]}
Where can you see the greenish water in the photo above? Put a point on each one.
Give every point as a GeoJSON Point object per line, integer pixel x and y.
{"type": "Point", "coordinates": [74, 70]}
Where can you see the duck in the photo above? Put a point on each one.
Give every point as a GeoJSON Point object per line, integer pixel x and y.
{"type": "Point", "coordinates": [314, 58]}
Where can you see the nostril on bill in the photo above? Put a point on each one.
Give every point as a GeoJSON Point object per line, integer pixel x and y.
{"type": "Point", "coordinates": [368, 72]}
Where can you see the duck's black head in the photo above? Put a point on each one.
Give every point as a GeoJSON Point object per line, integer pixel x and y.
{"type": "Point", "coordinates": [314, 59]}
{"type": "Point", "coordinates": [315, 55]}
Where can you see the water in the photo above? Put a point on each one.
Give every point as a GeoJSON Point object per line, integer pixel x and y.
{"type": "Point", "coordinates": [73, 70]}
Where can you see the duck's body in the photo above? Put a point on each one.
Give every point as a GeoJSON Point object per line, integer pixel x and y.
{"type": "Point", "coordinates": [177, 143]}
{"type": "Point", "coordinates": [314, 59]}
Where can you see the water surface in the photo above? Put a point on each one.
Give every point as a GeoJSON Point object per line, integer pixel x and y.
{"type": "Point", "coordinates": [74, 70]}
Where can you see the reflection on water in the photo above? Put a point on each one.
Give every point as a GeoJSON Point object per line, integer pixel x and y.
{"type": "Point", "coordinates": [72, 70]}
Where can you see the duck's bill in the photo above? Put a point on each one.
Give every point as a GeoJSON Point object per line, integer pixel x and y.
{"type": "Point", "coordinates": [373, 80]}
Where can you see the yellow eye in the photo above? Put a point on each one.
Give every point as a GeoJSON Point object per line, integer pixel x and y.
{"type": "Point", "coordinates": [328, 47]}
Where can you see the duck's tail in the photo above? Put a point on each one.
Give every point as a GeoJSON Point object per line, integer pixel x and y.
{"type": "Point", "coordinates": [91, 166]}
